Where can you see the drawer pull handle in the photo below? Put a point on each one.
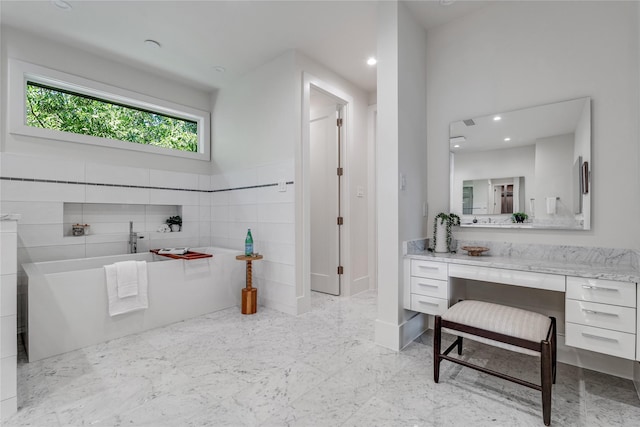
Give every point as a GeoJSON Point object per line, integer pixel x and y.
{"type": "Point", "coordinates": [426, 267]}
{"type": "Point", "coordinates": [598, 337]}
{"type": "Point", "coordinates": [599, 288]}
{"type": "Point", "coordinates": [603, 313]}
{"type": "Point", "coordinates": [429, 303]}
{"type": "Point", "coordinates": [428, 285]}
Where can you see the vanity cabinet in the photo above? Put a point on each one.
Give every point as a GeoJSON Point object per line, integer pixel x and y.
{"type": "Point", "coordinates": [601, 316]}
{"type": "Point", "coordinates": [428, 287]}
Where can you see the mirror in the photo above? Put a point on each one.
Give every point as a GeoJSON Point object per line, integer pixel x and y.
{"type": "Point", "coordinates": [534, 161]}
{"type": "Point", "coordinates": [493, 196]}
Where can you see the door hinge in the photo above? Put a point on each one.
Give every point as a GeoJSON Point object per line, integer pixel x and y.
{"type": "Point", "coordinates": [340, 269]}
{"type": "Point", "coordinates": [340, 171]}
{"type": "Point", "coordinates": [340, 220]}
{"type": "Point", "coordinates": [339, 122]}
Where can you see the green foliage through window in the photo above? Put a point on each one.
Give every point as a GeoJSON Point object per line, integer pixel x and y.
{"type": "Point", "coordinates": [57, 109]}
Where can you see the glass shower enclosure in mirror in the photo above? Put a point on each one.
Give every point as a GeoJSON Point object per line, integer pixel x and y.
{"type": "Point", "coordinates": [533, 161]}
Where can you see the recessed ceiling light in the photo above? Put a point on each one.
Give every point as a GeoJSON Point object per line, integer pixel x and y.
{"type": "Point", "coordinates": [219, 68]}
{"type": "Point", "coordinates": [372, 61]}
{"type": "Point", "coordinates": [507, 139]}
{"type": "Point", "coordinates": [456, 146]}
{"type": "Point", "coordinates": [152, 44]}
{"type": "Point", "coordinates": [497, 118]}
{"type": "Point", "coordinates": [447, 2]}
{"type": "Point", "coordinates": [61, 4]}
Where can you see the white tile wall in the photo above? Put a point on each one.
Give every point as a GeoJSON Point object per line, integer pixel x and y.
{"type": "Point", "coordinates": [8, 318]}
{"type": "Point", "coordinates": [169, 179]}
{"type": "Point", "coordinates": [21, 166]}
{"type": "Point", "coordinates": [8, 291]}
{"type": "Point", "coordinates": [108, 174]}
{"type": "Point", "coordinates": [170, 197]}
{"type": "Point", "coordinates": [8, 246]}
{"type": "Point", "coordinates": [8, 333]}
{"type": "Point", "coordinates": [22, 191]}
{"type": "Point", "coordinates": [35, 212]}
{"type": "Point", "coordinates": [218, 219]}
{"type": "Point", "coordinates": [100, 194]}
{"type": "Point", "coordinates": [8, 385]}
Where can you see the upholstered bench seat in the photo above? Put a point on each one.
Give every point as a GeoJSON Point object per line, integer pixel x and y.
{"type": "Point", "coordinates": [510, 321]}
{"type": "Point", "coordinates": [505, 327]}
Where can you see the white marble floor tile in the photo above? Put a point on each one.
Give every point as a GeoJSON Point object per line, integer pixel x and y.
{"type": "Point", "coordinates": [318, 369]}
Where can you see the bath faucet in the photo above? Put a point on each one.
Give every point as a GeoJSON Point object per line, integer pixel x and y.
{"type": "Point", "coordinates": [133, 239]}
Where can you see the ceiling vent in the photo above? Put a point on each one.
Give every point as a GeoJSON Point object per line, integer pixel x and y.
{"type": "Point", "coordinates": [469, 122]}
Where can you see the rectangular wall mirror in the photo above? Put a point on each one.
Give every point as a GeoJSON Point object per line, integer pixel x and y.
{"type": "Point", "coordinates": [533, 161]}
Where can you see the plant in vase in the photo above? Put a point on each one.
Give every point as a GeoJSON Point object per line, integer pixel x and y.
{"type": "Point", "coordinates": [442, 224]}
{"type": "Point", "coordinates": [174, 222]}
{"type": "Point", "coordinates": [519, 217]}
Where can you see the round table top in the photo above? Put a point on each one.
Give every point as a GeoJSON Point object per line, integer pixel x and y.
{"type": "Point", "coordinates": [249, 258]}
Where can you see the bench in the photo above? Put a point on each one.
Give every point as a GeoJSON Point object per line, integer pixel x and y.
{"type": "Point", "coordinates": [505, 327]}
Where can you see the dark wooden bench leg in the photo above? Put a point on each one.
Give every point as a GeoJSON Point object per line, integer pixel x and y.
{"type": "Point", "coordinates": [546, 376]}
{"type": "Point", "coordinates": [554, 348]}
{"type": "Point", "coordinates": [437, 337]}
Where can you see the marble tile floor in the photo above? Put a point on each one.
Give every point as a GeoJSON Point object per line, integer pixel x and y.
{"type": "Point", "coordinates": [317, 369]}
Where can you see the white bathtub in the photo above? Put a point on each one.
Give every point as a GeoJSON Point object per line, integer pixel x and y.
{"type": "Point", "coordinates": [67, 300]}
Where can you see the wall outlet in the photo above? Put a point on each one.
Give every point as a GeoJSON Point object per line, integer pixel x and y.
{"type": "Point", "coordinates": [282, 186]}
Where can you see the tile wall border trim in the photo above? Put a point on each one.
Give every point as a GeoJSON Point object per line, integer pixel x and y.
{"type": "Point", "coordinates": [148, 187]}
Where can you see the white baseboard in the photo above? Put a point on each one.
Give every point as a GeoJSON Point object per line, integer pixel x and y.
{"type": "Point", "coordinates": [360, 284]}
{"type": "Point", "coordinates": [396, 337]}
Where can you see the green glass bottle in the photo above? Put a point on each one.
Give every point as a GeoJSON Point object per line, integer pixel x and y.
{"type": "Point", "coordinates": [248, 244]}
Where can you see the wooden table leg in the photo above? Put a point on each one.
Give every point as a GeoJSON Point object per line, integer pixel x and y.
{"type": "Point", "coordinates": [249, 294]}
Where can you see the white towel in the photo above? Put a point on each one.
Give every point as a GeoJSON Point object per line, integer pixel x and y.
{"type": "Point", "coordinates": [127, 278]}
{"type": "Point", "coordinates": [124, 305]}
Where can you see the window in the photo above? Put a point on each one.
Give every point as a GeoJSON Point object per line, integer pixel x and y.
{"type": "Point", "coordinates": [50, 104]}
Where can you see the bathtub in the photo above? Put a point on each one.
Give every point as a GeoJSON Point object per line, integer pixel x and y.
{"type": "Point", "coordinates": [67, 300]}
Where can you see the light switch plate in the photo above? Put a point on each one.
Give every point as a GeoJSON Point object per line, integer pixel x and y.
{"type": "Point", "coordinates": [282, 186]}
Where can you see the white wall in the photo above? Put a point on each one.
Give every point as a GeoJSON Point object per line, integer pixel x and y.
{"type": "Point", "coordinates": [514, 55]}
{"type": "Point", "coordinates": [401, 150]}
{"type": "Point", "coordinates": [29, 48]}
{"type": "Point", "coordinates": [254, 118]}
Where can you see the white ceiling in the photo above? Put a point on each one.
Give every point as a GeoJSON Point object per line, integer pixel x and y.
{"type": "Point", "coordinates": [524, 127]}
{"type": "Point", "coordinates": [197, 36]}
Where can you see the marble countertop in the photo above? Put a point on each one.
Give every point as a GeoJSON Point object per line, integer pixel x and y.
{"type": "Point", "coordinates": [625, 273]}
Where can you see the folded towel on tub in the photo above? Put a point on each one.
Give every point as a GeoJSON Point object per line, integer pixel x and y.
{"type": "Point", "coordinates": [127, 278]}
{"type": "Point", "coordinates": [121, 305]}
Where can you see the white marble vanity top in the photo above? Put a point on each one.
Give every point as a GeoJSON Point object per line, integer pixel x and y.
{"type": "Point", "coordinates": [620, 272]}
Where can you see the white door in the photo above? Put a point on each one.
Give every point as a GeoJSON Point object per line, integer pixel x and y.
{"type": "Point", "coordinates": [325, 196]}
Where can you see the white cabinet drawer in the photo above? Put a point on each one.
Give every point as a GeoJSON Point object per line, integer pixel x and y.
{"type": "Point", "coordinates": [613, 317]}
{"type": "Point", "coordinates": [605, 341]}
{"type": "Point", "coordinates": [604, 291]}
{"type": "Point", "coordinates": [527, 279]}
{"type": "Point", "coordinates": [428, 305]}
{"type": "Point", "coordinates": [429, 269]}
{"type": "Point", "coordinates": [429, 287]}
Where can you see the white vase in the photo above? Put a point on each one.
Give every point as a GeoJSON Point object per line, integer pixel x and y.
{"type": "Point", "coordinates": [175, 227]}
{"type": "Point", "coordinates": [441, 237]}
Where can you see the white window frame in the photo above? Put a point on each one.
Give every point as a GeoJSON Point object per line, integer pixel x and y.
{"type": "Point", "coordinates": [20, 72]}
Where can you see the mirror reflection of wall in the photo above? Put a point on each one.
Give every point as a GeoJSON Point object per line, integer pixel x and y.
{"type": "Point", "coordinates": [523, 161]}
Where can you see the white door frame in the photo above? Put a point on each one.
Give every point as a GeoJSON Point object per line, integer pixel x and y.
{"type": "Point", "coordinates": [372, 118]}
{"type": "Point", "coordinates": [308, 80]}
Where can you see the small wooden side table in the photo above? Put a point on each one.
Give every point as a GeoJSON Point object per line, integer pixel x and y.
{"type": "Point", "coordinates": [249, 293]}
